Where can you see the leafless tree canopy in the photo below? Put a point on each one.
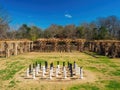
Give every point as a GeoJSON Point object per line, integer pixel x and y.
{"type": "Point", "coordinates": [4, 21]}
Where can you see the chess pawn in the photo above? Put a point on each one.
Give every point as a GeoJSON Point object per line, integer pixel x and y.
{"type": "Point", "coordinates": [38, 67]}
{"type": "Point", "coordinates": [52, 70]}
{"type": "Point", "coordinates": [81, 73]}
{"type": "Point", "coordinates": [65, 74]}
{"type": "Point", "coordinates": [50, 74]}
{"type": "Point", "coordinates": [43, 71]}
{"type": "Point", "coordinates": [36, 70]}
{"type": "Point", "coordinates": [27, 72]}
{"type": "Point", "coordinates": [58, 66]}
{"type": "Point", "coordinates": [56, 72]}
{"type": "Point", "coordinates": [33, 73]}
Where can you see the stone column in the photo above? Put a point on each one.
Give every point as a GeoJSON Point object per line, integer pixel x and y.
{"type": "Point", "coordinates": [7, 52]}
{"type": "Point", "coordinates": [25, 46]}
{"type": "Point", "coordinates": [28, 46]}
{"type": "Point", "coordinates": [68, 46]}
{"type": "Point", "coordinates": [55, 46]}
{"type": "Point", "coordinates": [7, 48]}
{"type": "Point", "coordinates": [32, 46]}
{"type": "Point", "coordinates": [16, 49]}
{"type": "Point", "coordinates": [21, 47]}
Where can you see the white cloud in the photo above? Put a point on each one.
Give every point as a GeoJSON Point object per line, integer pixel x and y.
{"type": "Point", "coordinates": [68, 15]}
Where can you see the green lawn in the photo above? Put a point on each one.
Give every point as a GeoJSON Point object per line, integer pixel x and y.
{"type": "Point", "coordinates": [106, 70]}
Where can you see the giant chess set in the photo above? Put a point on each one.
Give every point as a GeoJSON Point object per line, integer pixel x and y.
{"type": "Point", "coordinates": [43, 71]}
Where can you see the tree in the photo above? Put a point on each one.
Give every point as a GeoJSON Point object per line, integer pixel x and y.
{"type": "Point", "coordinates": [23, 32]}
{"type": "Point", "coordinates": [11, 34]}
{"type": "Point", "coordinates": [112, 24]}
{"type": "Point", "coordinates": [86, 30]}
{"type": "Point", "coordinates": [79, 32]}
{"type": "Point", "coordinates": [102, 33]}
{"type": "Point", "coordinates": [50, 32]}
{"type": "Point", "coordinates": [35, 33]}
{"type": "Point", "coordinates": [54, 31]}
{"type": "Point", "coordinates": [4, 21]}
{"type": "Point", "coordinates": [69, 31]}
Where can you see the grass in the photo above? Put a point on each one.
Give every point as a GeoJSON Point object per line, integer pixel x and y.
{"type": "Point", "coordinates": [113, 85]}
{"type": "Point", "coordinates": [12, 84]}
{"type": "Point", "coordinates": [94, 69]}
{"type": "Point", "coordinates": [10, 71]}
{"type": "Point", "coordinates": [106, 70]}
{"type": "Point", "coordinates": [84, 87]}
{"type": "Point", "coordinates": [115, 73]}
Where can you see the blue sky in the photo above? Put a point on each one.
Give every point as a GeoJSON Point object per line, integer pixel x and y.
{"type": "Point", "coordinates": [43, 13]}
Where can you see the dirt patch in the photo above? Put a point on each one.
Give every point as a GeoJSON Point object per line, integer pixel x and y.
{"type": "Point", "coordinates": [31, 83]}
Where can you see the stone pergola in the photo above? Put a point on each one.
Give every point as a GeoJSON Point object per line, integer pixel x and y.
{"type": "Point", "coordinates": [15, 47]}
{"type": "Point", "coordinates": [59, 45]}
{"type": "Point", "coordinates": [110, 48]}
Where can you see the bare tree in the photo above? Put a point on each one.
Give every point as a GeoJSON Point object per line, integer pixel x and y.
{"type": "Point", "coordinates": [4, 21]}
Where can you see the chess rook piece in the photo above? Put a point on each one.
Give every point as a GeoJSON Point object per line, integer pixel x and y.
{"type": "Point", "coordinates": [36, 64]}
{"type": "Point", "coordinates": [30, 69]}
{"type": "Point", "coordinates": [33, 73]}
{"type": "Point", "coordinates": [27, 72]}
{"type": "Point", "coordinates": [81, 73]}
{"type": "Point", "coordinates": [63, 64]}
{"type": "Point", "coordinates": [57, 62]}
{"type": "Point", "coordinates": [68, 64]}
{"type": "Point", "coordinates": [71, 71]}
{"type": "Point", "coordinates": [74, 65]}
{"type": "Point", "coordinates": [40, 65]}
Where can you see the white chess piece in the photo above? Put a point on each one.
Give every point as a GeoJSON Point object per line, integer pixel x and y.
{"type": "Point", "coordinates": [38, 67]}
{"type": "Point", "coordinates": [52, 71]}
{"type": "Point", "coordinates": [56, 72]}
{"type": "Point", "coordinates": [58, 68]}
{"type": "Point", "coordinates": [36, 70]}
{"type": "Point", "coordinates": [33, 73]}
{"type": "Point", "coordinates": [27, 72]}
{"type": "Point", "coordinates": [50, 74]}
{"type": "Point", "coordinates": [81, 73]}
{"type": "Point", "coordinates": [65, 74]}
{"type": "Point", "coordinates": [43, 72]}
